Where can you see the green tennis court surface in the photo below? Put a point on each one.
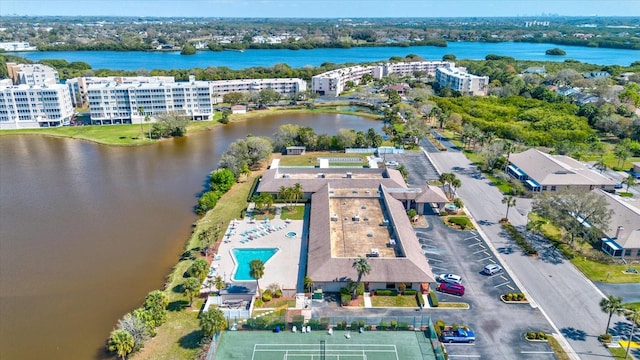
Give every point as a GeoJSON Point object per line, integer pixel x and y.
{"type": "Point", "coordinates": [370, 345]}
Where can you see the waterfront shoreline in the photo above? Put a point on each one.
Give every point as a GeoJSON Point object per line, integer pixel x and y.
{"type": "Point", "coordinates": [125, 138]}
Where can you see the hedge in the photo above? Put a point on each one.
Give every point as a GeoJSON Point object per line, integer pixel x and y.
{"type": "Point", "coordinates": [410, 292]}
{"type": "Point", "coordinates": [387, 292]}
{"type": "Point", "coordinates": [524, 245]}
{"type": "Point", "coordinates": [461, 221]}
{"type": "Point", "coordinates": [433, 299]}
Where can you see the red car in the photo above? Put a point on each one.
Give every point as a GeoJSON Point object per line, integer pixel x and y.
{"type": "Point", "coordinates": [453, 289]}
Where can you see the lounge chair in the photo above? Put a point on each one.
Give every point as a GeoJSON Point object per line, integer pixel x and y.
{"type": "Point", "coordinates": [304, 329]}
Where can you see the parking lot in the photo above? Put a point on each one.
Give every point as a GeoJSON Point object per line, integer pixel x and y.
{"type": "Point", "coordinates": [499, 327]}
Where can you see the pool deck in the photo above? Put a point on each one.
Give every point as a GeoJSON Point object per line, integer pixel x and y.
{"type": "Point", "coordinates": [282, 268]}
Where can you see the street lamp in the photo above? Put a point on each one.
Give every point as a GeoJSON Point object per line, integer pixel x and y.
{"type": "Point", "coordinates": [633, 326]}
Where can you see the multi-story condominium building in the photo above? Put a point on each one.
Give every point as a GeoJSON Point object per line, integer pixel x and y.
{"type": "Point", "coordinates": [409, 68]}
{"type": "Point", "coordinates": [118, 103]}
{"type": "Point", "coordinates": [32, 74]}
{"type": "Point", "coordinates": [458, 79]}
{"type": "Point", "coordinates": [333, 82]}
{"type": "Point", "coordinates": [17, 46]}
{"type": "Point", "coordinates": [33, 106]}
{"type": "Point", "coordinates": [78, 86]}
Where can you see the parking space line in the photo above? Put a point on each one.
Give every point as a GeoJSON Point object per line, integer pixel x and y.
{"type": "Point", "coordinates": [464, 356]}
{"type": "Point", "coordinates": [534, 352]}
{"type": "Point", "coordinates": [434, 260]}
{"type": "Point", "coordinates": [511, 287]}
{"type": "Point", "coordinates": [483, 259]}
{"type": "Point", "coordinates": [504, 283]}
{"type": "Point", "coordinates": [479, 251]}
{"type": "Point", "coordinates": [438, 267]}
{"type": "Point", "coordinates": [471, 237]}
{"type": "Point", "coordinates": [478, 243]}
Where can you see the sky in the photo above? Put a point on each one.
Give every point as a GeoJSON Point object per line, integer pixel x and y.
{"type": "Point", "coordinates": [320, 8]}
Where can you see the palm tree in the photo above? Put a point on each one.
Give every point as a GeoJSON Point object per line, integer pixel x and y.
{"type": "Point", "coordinates": [256, 271]}
{"type": "Point", "coordinates": [191, 287]}
{"type": "Point", "coordinates": [121, 342]}
{"type": "Point", "coordinates": [601, 165]}
{"type": "Point", "coordinates": [308, 283]}
{"type": "Point", "coordinates": [212, 322]}
{"type": "Point", "coordinates": [219, 283]}
{"type": "Point", "coordinates": [455, 184]}
{"type": "Point", "coordinates": [630, 181]}
{"type": "Point", "coordinates": [363, 268]}
{"type": "Point", "coordinates": [284, 193]}
{"type": "Point", "coordinates": [611, 305]}
{"type": "Point", "coordinates": [140, 112]}
{"type": "Point", "coordinates": [621, 153]}
{"type": "Point", "coordinates": [147, 119]}
{"type": "Point", "coordinates": [508, 147]}
{"type": "Point", "coordinates": [296, 192]}
{"type": "Point", "coordinates": [510, 201]}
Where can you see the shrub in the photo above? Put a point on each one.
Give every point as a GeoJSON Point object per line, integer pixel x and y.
{"type": "Point", "coordinates": [278, 294]}
{"type": "Point", "coordinates": [344, 291]}
{"type": "Point", "coordinates": [345, 299]}
{"type": "Point", "coordinates": [266, 296]}
{"type": "Point", "coordinates": [524, 245]}
{"type": "Point", "coordinates": [402, 286]}
{"type": "Point", "coordinates": [461, 221]}
{"type": "Point", "coordinates": [542, 336]}
{"type": "Point", "coordinates": [520, 296]}
{"type": "Point", "coordinates": [258, 303]}
{"type": "Point", "coordinates": [394, 324]}
{"type": "Point", "coordinates": [410, 292]}
{"type": "Point", "coordinates": [403, 326]}
{"type": "Point", "coordinates": [267, 291]}
{"type": "Point", "coordinates": [605, 338]}
{"type": "Point", "coordinates": [386, 292]}
{"type": "Point", "coordinates": [355, 325]}
{"type": "Point", "coordinates": [341, 325]}
{"type": "Point", "coordinates": [433, 299]}
{"type": "Point", "coordinates": [383, 325]}
{"type": "Point", "coordinates": [315, 324]}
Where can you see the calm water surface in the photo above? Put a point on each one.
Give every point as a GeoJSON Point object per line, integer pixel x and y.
{"type": "Point", "coordinates": [249, 58]}
{"type": "Point", "coordinates": [86, 230]}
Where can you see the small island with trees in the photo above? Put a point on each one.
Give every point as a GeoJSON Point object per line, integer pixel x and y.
{"type": "Point", "coordinates": [555, 52]}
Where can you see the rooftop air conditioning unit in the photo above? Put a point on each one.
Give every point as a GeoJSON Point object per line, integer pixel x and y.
{"type": "Point", "coordinates": [349, 175]}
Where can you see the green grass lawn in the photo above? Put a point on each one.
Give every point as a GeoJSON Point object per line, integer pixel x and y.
{"type": "Point", "coordinates": [293, 213]}
{"type": "Point", "coordinates": [394, 301]}
{"type": "Point", "coordinates": [596, 271]}
{"type": "Point", "coordinates": [557, 349]}
{"type": "Point", "coordinates": [179, 337]}
{"type": "Point", "coordinates": [311, 159]}
{"type": "Point", "coordinates": [453, 305]}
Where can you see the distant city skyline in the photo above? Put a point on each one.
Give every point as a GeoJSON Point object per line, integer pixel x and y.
{"type": "Point", "coordinates": [320, 8]}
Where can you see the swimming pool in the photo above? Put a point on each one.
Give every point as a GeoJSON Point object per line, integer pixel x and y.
{"type": "Point", "coordinates": [244, 256]}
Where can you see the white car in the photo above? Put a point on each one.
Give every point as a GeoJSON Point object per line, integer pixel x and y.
{"type": "Point", "coordinates": [392, 163]}
{"type": "Point", "coordinates": [449, 278]}
{"type": "Point", "coordinates": [492, 269]}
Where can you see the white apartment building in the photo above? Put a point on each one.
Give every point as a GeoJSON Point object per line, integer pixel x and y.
{"type": "Point", "coordinates": [118, 103]}
{"type": "Point", "coordinates": [409, 68]}
{"type": "Point", "coordinates": [34, 106]}
{"type": "Point", "coordinates": [17, 46]}
{"type": "Point", "coordinates": [78, 86]}
{"type": "Point", "coordinates": [333, 82]}
{"type": "Point", "coordinates": [458, 79]}
{"type": "Point", "coordinates": [32, 74]}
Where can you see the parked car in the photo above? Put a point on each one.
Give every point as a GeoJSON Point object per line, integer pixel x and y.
{"type": "Point", "coordinates": [392, 163]}
{"type": "Point", "coordinates": [449, 278]}
{"type": "Point", "coordinates": [449, 288]}
{"type": "Point", "coordinates": [492, 269]}
{"type": "Point", "coordinates": [458, 335]}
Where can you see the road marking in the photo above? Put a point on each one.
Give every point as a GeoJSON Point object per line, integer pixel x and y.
{"type": "Point", "coordinates": [438, 267]}
{"type": "Point", "coordinates": [478, 243]}
{"type": "Point", "coordinates": [504, 283]}
{"type": "Point", "coordinates": [464, 356]}
{"type": "Point", "coordinates": [511, 287]}
{"type": "Point", "coordinates": [471, 237]}
{"type": "Point", "coordinates": [534, 352]}
{"type": "Point", "coordinates": [434, 260]}
{"type": "Point", "coordinates": [479, 251]}
{"type": "Point", "coordinates": [483, 259]}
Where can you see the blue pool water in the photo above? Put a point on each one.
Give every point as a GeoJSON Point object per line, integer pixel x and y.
{"type": "Point", "coordinates": [243, 258]}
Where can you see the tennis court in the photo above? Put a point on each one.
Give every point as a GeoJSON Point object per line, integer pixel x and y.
{"type": "Point", "coordinates": [318, 345]}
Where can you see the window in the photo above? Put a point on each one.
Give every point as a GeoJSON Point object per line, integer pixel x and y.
{"type": "Point", "coordinates": [391, 285]}
{"type": "Point", "coordinates": [627, 252]}
{"type": "Point", "coordinates": [553, 188]}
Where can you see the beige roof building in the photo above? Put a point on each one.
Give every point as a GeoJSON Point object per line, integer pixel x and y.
{"type": "Point", "coordinates": [623, 235]}
{"type": "Point", "coordinates": [540, 171]}
{"type": "Point", "coordinates": [360, 212]}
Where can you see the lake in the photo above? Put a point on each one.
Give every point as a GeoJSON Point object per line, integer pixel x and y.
{"type": "Point", "coordinates": [137, 60]}
{"type": "Point", "coordinates": [87, 230]}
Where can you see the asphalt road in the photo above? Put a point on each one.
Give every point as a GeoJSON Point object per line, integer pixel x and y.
{"type": "Point", "coordinates": [562, 293]}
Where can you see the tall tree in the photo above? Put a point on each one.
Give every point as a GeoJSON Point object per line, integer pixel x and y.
{"type": "Point", "coordinates": [297, 192]}
{"type": "Point", "coordinates": [136, 327]}
{"type": "Point", "coordinates": [363, 268]}
{"type": "Point", "coordinates": [191, 288]}
{"type": "Point", "coordinates": [308, 283]}
{"type": "Point", "coordinates": [212, 322]}
{"type": "Point", "coordinates": [571, 209]}
{"type": "Point", "coordinates": [156, 303]}
{"type": "Point", "coordinates": [256, 271]}
{"type": "Point", "coordinates": [630, 181]}
{"type": "Point", "coordinates": [510, 201]}
{"type": "Point", "coordinates": [611, 305]}
{"type": "Point", "coordinates": [121, 342]}
{"type": "Point", "coordinates": [508, 148]}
